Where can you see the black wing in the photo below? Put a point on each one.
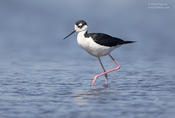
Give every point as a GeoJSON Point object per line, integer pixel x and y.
{"type": "Point", "coordinates": [105, 40]}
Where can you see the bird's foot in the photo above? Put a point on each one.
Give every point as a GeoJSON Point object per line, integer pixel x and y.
{"type": "Point", "coordinates": [95, 79]}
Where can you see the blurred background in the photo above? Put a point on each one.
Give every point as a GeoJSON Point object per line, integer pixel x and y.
{"type": "Point", "coordinates": [36, 27]}
{"type": "Point", "coordinates": [34, 59]}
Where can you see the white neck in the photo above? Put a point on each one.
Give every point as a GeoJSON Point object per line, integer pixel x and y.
{"type": "Point", "coordinates": [82, 32]}
{"type": "Point", "coordinates": [80, 35]}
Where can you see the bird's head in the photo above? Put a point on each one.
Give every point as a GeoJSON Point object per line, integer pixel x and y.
{"type": "Point", "coordinates": [80, 26]}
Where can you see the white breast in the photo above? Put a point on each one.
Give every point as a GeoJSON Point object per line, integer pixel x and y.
{"type": "Point", "coordinates": [92, 47]}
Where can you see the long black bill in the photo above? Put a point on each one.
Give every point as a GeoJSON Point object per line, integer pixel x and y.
{"type": "Point", "coordinates": [69, 34]}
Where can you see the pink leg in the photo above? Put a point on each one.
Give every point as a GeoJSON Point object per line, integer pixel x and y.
{"type": "Point", "coordinates": [106, 76]}
{"type": "Point", "coordinates": [117, 68]}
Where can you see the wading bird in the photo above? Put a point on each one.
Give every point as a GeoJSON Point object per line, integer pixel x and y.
{"type": "Point", "coordinates": [98, 45]}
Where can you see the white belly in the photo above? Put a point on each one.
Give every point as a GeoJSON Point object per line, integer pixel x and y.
{"type": "Point", "coordinates": [92, 47]}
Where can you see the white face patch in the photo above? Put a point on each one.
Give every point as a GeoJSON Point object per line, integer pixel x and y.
{"type": "Point", "coordinates": [77, 29]}
{"type": "Point", "coordinates": [80, 24]}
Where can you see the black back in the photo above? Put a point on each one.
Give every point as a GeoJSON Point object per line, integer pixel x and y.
{"type": "Point", "coordinates": [105, 40]}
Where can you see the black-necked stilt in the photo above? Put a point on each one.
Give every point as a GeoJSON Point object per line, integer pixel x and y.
{"type": "Point", "coordinates": [97, 44]}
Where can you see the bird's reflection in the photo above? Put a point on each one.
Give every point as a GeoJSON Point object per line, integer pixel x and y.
{"type": "Point", "coordinates": [99, 95]}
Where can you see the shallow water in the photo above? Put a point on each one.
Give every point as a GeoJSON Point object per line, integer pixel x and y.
{"type": "Point", "coordinates": [42, 76]}
{"type": "Point", "coordinates": [54, 89]}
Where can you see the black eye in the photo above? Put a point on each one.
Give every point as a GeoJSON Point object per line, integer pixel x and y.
{"type": "Point", "coordinates": [80, 25]}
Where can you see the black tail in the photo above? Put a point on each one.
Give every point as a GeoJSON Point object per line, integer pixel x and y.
{"type": "Point", "coordinates": [126, 42]}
